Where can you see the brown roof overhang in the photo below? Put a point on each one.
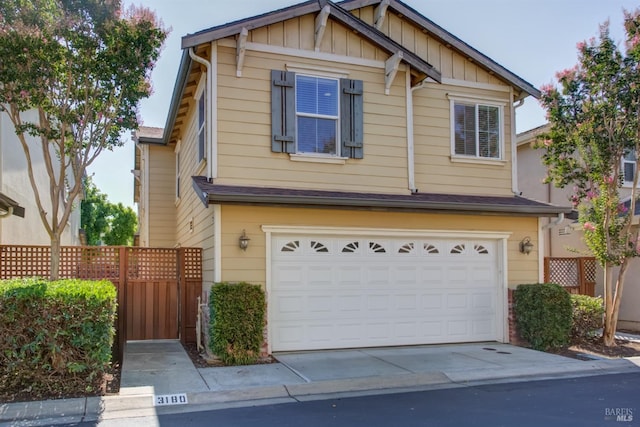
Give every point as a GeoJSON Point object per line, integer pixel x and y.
{"type": "Point", "coordinates": [7, 204]}
{"type": "Point", "coordinates": [211, 193]}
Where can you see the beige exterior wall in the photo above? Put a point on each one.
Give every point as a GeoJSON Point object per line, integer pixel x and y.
{"type": "Point", "coordinates": [250, 265]}
{"type": "Point", "coordinates": [161, 197]}
{"type": "Point", "coordinates": [14, 182]}
{"type": "Point", "coordinates": [244, 114]}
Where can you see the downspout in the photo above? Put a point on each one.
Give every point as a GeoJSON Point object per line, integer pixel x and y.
{"type": "Point", "coordinates": [208, 111]}
{"type": "Point", "coordinates": [411, 174]}
{"type": "Point", "coordinates": [514, 146]}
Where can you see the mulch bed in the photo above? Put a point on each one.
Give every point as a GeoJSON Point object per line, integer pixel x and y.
{"type": "Point", "coordinates": [595, 347]}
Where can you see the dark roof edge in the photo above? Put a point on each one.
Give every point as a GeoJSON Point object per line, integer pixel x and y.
{"type": "Point", "coordinates": [150, 141]}
{"type": "Point", "coordinates": [422, 21]}
{"type": "Point", "coordinates": [329, 201]}
{"type": "Point", "coordinates": [7, 203]}
{"type": "Point", "coordinates": [176, 96]}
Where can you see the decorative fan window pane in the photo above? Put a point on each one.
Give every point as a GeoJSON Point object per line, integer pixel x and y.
{"type": "Point", "coordinates": [376, 248]}
{"type": "Point", "coordinates": [351, 247]}
{"type": "Point", "coordinates": [407, 248]}
{"type": "Point", "coordinates": [480, 249]}
{"type": "Point", "coordinates": [319, 247]}
{"type": "Point", "coordinates": [292, 246]}
{"type": "Point", "coordinates": [458, 249]}
{"type": "Point", "coordinates": [430, 249]}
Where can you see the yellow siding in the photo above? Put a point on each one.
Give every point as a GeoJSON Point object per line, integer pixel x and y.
{"type": "Point", "coordinates": [244, 131]}
{"type": "Point", "coordinates": [238, 265]}
{"type": "Point", "coordinates": [161, 189]}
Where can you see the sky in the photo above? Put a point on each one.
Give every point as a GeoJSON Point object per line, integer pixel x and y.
{"type": "Point", "coordinates": [532, 38]}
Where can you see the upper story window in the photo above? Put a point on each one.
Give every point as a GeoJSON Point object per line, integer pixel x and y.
{"type": "Point", "coordinates": [629, 167]}
{"type": "Point", "coordinates": [316, 116]}
{"type": "Point", "coordinates": [477, 130]}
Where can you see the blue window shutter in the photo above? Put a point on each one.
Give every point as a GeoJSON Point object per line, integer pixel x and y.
{"type": "Point", "coordinates": [283, 112]}
{"type": "Point", "coordinates": [351, 118]}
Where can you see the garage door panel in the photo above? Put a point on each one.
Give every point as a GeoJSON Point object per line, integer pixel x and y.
{"type": "Point", "coordinates": [355, 292]}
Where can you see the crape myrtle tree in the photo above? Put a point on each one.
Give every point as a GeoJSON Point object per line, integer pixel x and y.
{"type": "Point", "coordinates": [82, 66]}
{"type": "Point", "coordinates": [594, 116]}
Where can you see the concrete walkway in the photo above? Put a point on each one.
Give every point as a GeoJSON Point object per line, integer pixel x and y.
{"type": "Point", "coordinates": [154, 369]}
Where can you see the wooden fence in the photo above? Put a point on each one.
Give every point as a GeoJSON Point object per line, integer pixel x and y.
{"type": "Point", "coordinates": [158, 288]}
{"type": "Point", "coordinates": [576, 275]}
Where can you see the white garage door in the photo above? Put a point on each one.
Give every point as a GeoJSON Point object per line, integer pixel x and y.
{"type": "Point", "coordinates": [341, 292]}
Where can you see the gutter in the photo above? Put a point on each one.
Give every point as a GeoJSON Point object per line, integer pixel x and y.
{"type": "Point", "coordinates": [514, 145]}
{"type": "Point", "coordinates": [208, 110]}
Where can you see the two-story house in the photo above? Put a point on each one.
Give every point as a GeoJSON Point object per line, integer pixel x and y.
{"type": "Point", "coordinates": [358, 161]}
{"type": "Point", "coordinates": [25, 227]}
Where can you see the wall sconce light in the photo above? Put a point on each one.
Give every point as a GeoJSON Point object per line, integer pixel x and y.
{"type": "Point", "coordinates": [526, 246]}
{"type": "Point", "coordinates": [243, 241]}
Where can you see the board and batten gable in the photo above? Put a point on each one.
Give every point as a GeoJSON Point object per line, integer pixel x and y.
{"type": "Point", "coordinates": [244, 154]}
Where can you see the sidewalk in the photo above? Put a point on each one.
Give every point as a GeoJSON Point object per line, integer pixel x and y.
{"type": "Point", "coordinates": [161, 368]}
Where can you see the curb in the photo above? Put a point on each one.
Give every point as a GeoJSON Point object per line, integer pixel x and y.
{"type": "Point", "coordinates": [91, 409]}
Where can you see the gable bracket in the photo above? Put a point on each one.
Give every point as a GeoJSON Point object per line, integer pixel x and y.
{"type": "Point", "coordinates": [380, 13]}
{"type": "Point", "coordinates": [391, 69]}
{"type": "Point", "coordinates": [241, 49]}
{"type": "Point", "coordinates": [321, 25]}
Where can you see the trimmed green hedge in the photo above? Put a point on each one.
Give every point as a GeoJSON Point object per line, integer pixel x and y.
{"type": "Point", "coordinates": [55, 337]}
{"type": "Point", "coordinates": [543, 314]}
{"type": "Point", "coordinates": [588, 315]}
{"type": "Point", "coordinates": [237, 322]}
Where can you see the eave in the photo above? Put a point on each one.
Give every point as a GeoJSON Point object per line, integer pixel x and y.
{"type": "Point", "coordinates": [449, 39]}
{"type": "Point", "coordinates": [7, 204]}
{"type": "Point", "coordinates": [420, 202]}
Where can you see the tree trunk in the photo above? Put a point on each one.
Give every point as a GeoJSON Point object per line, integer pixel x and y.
{"type": "Point", "coordinates": [55, 257]}
{"type": "Point", "coordinates": [612, 309]}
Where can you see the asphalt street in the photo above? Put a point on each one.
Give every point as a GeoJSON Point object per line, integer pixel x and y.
{"type": "Point", "coordinates": [607, 400]}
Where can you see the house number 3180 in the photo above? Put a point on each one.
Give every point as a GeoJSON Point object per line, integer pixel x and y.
{"type": "Point", "coordinates": [170, 399]}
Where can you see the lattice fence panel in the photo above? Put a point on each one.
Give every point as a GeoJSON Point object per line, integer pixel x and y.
{"type": "Point", "coordinates": [152, 263]}
{"type": "Point", "coordinates": [563, 271]}
{"type": "Point", "coordinates": [192, 264]}
{"type": "Point", "coordinates": [589, 269]}
{"type": "Point", "coordinates": [90, 262]}
{"type": "Point", "coordinates": [24, 261]}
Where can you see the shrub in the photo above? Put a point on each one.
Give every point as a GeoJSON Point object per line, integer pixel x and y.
{"type": "Point", "coordinates": [543, 314]}
{"type": "Point", "coordinates": [587, 316]}
{"type": "Point", "coordinates": [55, 337]}
{"type": "Point", "coordinates": [237, 322]}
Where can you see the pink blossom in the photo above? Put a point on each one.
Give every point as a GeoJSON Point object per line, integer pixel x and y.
{"type": "Point", "coordinates": [23, 94]}
{"type": "Point", "coordinates": [581, 45]}
{"type": "Point", "coordinates": [546, 89]}
{"type": "Point", "coordinates": [622, 208]}
{"type": "Point", "coordinates": [566, 74]}
{"type": "Point", "coordinates": [608, 180]}
{"type": "Point", "coordinates": [587, 226]}
{"type": "Point", "coordinates": [591, 194]}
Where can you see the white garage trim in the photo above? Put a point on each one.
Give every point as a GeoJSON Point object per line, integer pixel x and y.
{"type": "Point", "coordinates": [500, 239]}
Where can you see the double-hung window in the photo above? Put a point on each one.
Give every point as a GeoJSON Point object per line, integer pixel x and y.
{"type": "Point", "coordinates": [629, 166]}
{"type": "Point", "coordinates": [317, 115]}
{"type": "Point", "coordinates": [477, 130]}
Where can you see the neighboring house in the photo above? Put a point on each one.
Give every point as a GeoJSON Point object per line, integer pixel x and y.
{"type": "Point", "coordinates": [367, 155]}
{"type": "Point", "coordinates": [564, 239]}
{"type": "Point", "coordinates": [14, 183]}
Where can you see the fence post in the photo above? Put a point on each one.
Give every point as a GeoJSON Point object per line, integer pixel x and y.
{"type": "Point", "coordinates": [121, 329]}
{"type": "Point", "coordinates": [182, 297]}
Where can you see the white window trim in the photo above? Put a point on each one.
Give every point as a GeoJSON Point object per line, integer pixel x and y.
{"type": "Point", "coordinates": [470, 99]}
{"type": "Point", "coordinates": [338, 155]}
{"type": "Point", "coordinates": [200, 91]}
{"type": "Point", "coordinates": [177, 155]}
{"type": "Point", "coordinates": [625, 183]}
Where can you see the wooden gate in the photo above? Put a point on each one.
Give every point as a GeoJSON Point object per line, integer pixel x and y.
{"type": "Point", "coordinates": [576, 275]}
{"type": "Point", "coordinates": [158, 288]}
